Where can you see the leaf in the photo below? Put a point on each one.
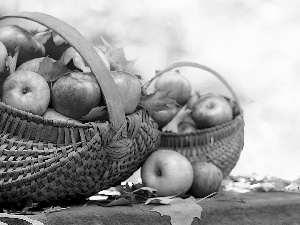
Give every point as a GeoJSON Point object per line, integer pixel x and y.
{"type": "Point", "coordinates": [72, 55]}
{"type": "Point", "coordinates": [119, 202]}
{"type": "Point", "coordinates": [181, 211]}
{"type": "Point", "coordinates": [55, 45]}
{"type": "Point", "coordinates": [160, 200]}
{"type": "Point", "coordinates": [172, 126]}
{"type": "Point", "coordinates": [55, 209]}
{"type": "Point", "coordinates": [116, 57]}
{"type": "Point", "coordinates": [52, 71]}
{"type": "Point", "coordinates": [157, 101]}
{"type": "Point", "coordinates": [11, 60]}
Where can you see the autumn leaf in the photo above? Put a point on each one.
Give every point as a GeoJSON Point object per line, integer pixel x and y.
{"type": "Point", "coordinates": [116, 57]}
{"type": "Point", "coordinates": [54, 209]}
{"type": "Point", "coordinates": [52, 70]}
{"type": "Point", "coordinates": [11, 60]}
{"type": "Point", "coordinates": [72, 55]}
{"type": "Point", "coordinates": [181, 211]}
{"type": "Point", "coordinates": [157, 101]}
{"type": "Point", "coordinates": [160, 200]}
{"type": "Point", "coordinates": [54, 44]}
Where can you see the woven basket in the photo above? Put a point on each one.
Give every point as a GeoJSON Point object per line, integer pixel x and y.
{"type": "Point", "coordinates": [43, 161]}
{"type": "Point", "coordinates": [220, 145]}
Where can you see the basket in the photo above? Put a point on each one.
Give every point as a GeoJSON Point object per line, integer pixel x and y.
{"type": "Point", "coordinates": [221, 144]}
{"type": "Point", "coordinates": [43, 161]}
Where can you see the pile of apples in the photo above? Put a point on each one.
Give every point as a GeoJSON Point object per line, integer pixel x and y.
{"type": "Point", "coordinates": [193, 111]}
{"type": "Point", "coordinates": [43, 75]}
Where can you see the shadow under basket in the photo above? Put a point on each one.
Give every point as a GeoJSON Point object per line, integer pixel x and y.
{"type": "Point", "coordinates": [220, 145]}
{"type": "Point", "coordinates": [42, 160]}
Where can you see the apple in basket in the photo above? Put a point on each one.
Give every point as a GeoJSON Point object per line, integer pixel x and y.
{"type": "Point", "coordinates": [3, 56]}
{"type": "Point", "coordinates": [129, 88]}
{"type": "Point", "coordinates": [26, 90]}
{"type": "Point", "coordinates": [13, 36]}
{"type": "Point", "coordinates": [211, 110]}
{"type": "Point", "coordinates": [207, 179]}
{"type": "Point", "coordinates": [167, 171]}
{"type": "Point", "coordinates": [75, 94]}
{"type": "Point", "coordinates": [52, 114]}
{"type": "Point", "coordinates": [175, 82]}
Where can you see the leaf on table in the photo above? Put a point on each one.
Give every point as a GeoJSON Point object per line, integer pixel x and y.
{"type": "Point", "coordinates": [160, 200]}
{"type": "Point", "coordinates": [54, 44]}
{"type": "Point", "coordinates": [172, 126]}
{"type": "Point", "coordinates": [52, 71]}
{"type": "Point", "coordinates": [157, 101]}
{"type": "Point", "coordinates": [54, 209]}
{"type": "Point", "coordinates": [122, 201]}
{"type": "Point", "coordinates": [116, 57]}
{"type": "Point", "coordinates": [181, 211]}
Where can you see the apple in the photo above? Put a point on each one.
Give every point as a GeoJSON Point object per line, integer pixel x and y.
{"type": "Point", "coordinates": [52, 114]}
{"type": "Point", "coordinates": [211, 110]}
{"type": "Point", "coordinates": [207, 179]}
{"type": "Point", "coordinates": [187, 125]}
{"type": "Point", "coordinates": [178, 85]}
{"type": "Point", "coordinates": [163, 117]}
{"type": "Point", "coordinates": [75, 94]}
{"type": "Point", "coordinates": [26, 90]}
{"type": "Point", "coordinates": [129, 88]}
{"type": "Point", "coordinates": [30, 48]}
{"type": "Point", "coordinates": [193, 99]}
{"type": "Point", "coordinates": [3, 56]}
{"type": "Point", "coordinates": [167, 171]}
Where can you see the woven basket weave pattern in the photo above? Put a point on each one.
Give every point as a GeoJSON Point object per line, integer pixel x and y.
{"type": "Point", "coordinates": [42, 171]}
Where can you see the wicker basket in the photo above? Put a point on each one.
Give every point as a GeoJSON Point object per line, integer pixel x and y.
{"type": "Point", "coordinates": [43, 161]}
{"type": "Point", "coordinates": [220, 145]}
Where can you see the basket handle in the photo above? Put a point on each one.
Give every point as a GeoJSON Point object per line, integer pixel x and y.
{"type": "Point", "coordinates": [89, 54]}
{"type": "Point", "coordinates": [197, 65]}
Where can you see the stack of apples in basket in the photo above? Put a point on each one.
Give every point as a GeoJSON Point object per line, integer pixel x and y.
{"type": "Point", "coordinates": [170, 172]}
{"type": "Point", "coordinates": [43, 75]}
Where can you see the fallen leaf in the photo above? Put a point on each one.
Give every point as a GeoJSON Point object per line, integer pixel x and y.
{"type": "Point", "coordinates": [54, 209]}
{"type": "Point", "coordinates": [160, 200]}
{"type": "Point", "coordinates": [181, 211]}
{"type": "Point", "coordinates": [119, 202]}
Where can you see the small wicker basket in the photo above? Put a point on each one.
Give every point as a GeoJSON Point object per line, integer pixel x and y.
{"type": "Point", "coordinates": [43, 161]}
{"type": "Point", "coordinates": [221, 144]}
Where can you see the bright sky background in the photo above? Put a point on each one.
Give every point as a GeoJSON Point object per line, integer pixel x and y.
{"type": "Point", "coordinates": [254, 45]}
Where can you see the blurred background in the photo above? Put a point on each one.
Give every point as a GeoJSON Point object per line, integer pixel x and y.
{"type": "Point", "coordinates": [254, 45]}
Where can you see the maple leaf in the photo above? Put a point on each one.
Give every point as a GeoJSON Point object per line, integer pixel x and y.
{"type": "Point", "coordinates": [52, 70]}
{"type": "Point", "coordinates": [116, 57]}
{"type": "Point", "coordinates": [181, 211]}
{"type": "Point", "coordinates": [160, 200]}
{"type": "Point", "coordinates": [72, 55]}
{"type": "Point", "coordinates": [54, 44]}
{"type": "Point", "coordinates": [11, 60]}
{"type": "Point", "coordinates": [157, 101]}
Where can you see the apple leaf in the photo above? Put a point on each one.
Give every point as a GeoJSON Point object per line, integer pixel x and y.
{"type": "Point", "coordinates": [116, 57]}
{"type": "Point", "coordinates": [54, 44]}
{"type": "Point", "coordinates": [157, 101]}
{"type": "Point", "coordinates": [181, 211]}
{"type": "Point", "coordinates": [52, 71]}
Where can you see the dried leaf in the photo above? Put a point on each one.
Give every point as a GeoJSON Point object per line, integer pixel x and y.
{"type": "Point", "coordinates": [160, 200]}
{"type": "Point", "coordinates": [116, 57]}
{"type": "Point", "coordinates": [157, 101]}
{"type": "Point", "coordinates": [52, 71]}
{"type": "Point", "coordinates": [181, 211]}
{"type": "Point", "coordinates": [55, 209]}
{"type": "Point", "coordinates": [78, 61]}
{"type": "Point", "coordinates": [172, 126]}
{"type": "Point", "coordinates": [55, 46]}
{"type": "Point", "coordinates": [11, 60]}
{"type": "Point", "coordinates": [119, 202]}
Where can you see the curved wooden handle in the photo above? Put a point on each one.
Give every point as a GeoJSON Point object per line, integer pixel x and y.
{"type": "Point", "coordinates": [197, 65]}
{"type": "Point", "coordinates": [91, 57]}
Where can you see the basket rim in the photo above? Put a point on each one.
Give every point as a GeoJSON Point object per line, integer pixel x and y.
{"type": "Point", "coordinates": [86, 50]}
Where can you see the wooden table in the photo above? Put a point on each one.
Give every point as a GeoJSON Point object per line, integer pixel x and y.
{"type": "Point", "coordinates": [247, 208]}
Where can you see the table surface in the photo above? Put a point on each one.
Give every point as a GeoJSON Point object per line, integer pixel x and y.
{"type": "Point", "coordinates": [229, 208]}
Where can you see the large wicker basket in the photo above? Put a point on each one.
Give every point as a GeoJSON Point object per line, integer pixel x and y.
{"type": "Point", "coordinates": [42, 160]}
{"type": "Point", "coordinates": [221, 144]}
